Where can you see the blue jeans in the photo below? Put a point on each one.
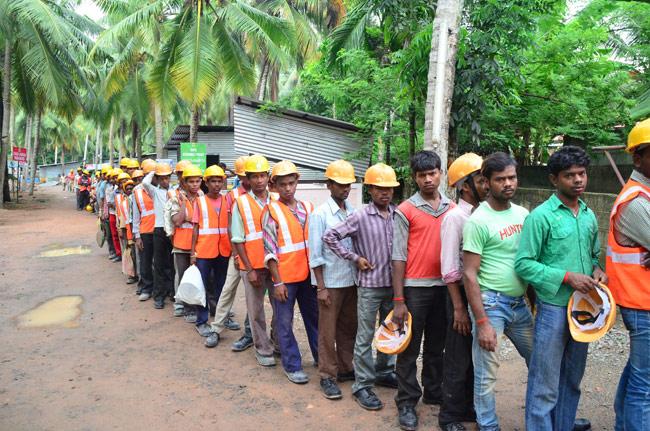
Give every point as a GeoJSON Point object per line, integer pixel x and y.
{"type": "Point", "coordinates": [305, 295]}
{"type": "Point", "coordinates": [217, 268]}
{"type": "Point", "coordinates": [510, 316]}
{"type": "Point", "coordinates": [557, 365]}
{"type": "Point", "coordinates": [632, 404]}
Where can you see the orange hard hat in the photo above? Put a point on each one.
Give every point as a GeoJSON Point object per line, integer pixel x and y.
{"type": "Point", "coordinates": [181, 165]}
{"type": "Point", "coordinates": [148, 165]}
{"type": "Point", "coordinates": [381, 175]}
{"type": "Point", "coordinates": [464, 166]}
{"type": "Point", "coordinates": [392, 339]}
{"type": "Point", "coordinates": [163, 169]}
{"type": "Point", "coordinates": [282, 168]}
{"type": "Point", "coordinates": [340, 171]}
{"type": "Point", "coordinates": [123, 176]}
{"type": "Point", "coordinates": [240, 166]}
{"type": "Point", "coordinates": [137, 174]}
{"type": "Point", "coordinates": [591, 315]}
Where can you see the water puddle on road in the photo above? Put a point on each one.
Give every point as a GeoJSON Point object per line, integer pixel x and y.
{"type": "Point", "coordinates": [65, 251]}
{"type": "Point", "coordinates": [60, 311]}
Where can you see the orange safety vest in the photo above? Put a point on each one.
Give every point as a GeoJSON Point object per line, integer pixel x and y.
{"type": "Point", "coordinates": [147, 213]}
{"type": "Point", "coordinates": [183, 234]}
{"type": "Point", "coordinates": [118, 207]}
{"type": "Point", "coordinates": [124, 213]}
{"type": "Point", "coordinates": [423, 244]}
{"type": "Point", "coordinates": [213, 237]}
{"type": "Point", "coordinates": [293, 250]}
{"type": "Point", "coordinates": [629, 280]}
{"type": "Point", "coordinates": [233, 195]}
{"type": "Point", "coordinates": [251, 215]}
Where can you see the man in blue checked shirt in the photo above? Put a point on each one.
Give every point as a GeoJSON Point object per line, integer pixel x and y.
{"type": "Point", "coordinates": [336, 287]}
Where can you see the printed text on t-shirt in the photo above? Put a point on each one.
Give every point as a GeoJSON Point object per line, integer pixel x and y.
{"type": "Point", "coordinates": [510, 230]}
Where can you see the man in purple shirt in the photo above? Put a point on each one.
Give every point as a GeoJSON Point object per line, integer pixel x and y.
{"type": "Point", "coordinates": [371, 231]}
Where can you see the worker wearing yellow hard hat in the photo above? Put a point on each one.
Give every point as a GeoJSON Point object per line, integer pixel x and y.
{"type": "Point", "coordinates": [335, 280]}
{"type": "Point", "coordinates": [222, 319]}
{"type": "Point", "coordinates": [369, 230]}
{"type": "Point", "coordinates": [102, 206]}
{"type": "Point", "coordinates": [124, 161]}
{"type": "Point", "coordinates": [628, 268]}
{"type": "Point", "coordinates": [111, 191]}
{"type": "Point", "coordinates": [157, 185]}
{"type": "Point", "coordinates": [286, 231]}
{"type": "Point", "coordinates": [143, 219]}
{"type": "Point", "coordinates": [131, 165]}
{"type": "Point", "coordinates": [122, 216]}
{"type": "Point", "coordinates": [247, 242]}
{"type": "Point", "coordinates": [148, 165]}
{"type": "Point", "coordinates": [84, 184]}
{"type": "Point", "coordinates": [558, 256]}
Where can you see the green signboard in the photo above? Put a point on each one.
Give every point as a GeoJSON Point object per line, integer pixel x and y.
{"type": "Point", "coordinates": [195, 153]}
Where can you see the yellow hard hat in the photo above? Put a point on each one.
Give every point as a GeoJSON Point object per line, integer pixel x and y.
{"type": "Point", "coordinates": [163, 169]}
{"type": "Point", "coordinates": [591, 315]}
{"type": "Point", "coordinates": [284, 167]}
{"type": "Point", "coordinates": [240, 166]}
{"type": "Point", "coordinates": [115, 172]}
{"type": "Point", "coordinates": [96, 173]}
{"type": "Point", "coordinates": [137, 174]}
{"type": "Point", "coordinates": [464, 166]}
{"type": "Point", "coordinates": [340, 171]}
{"type": "Point", "coordinates": [124, 161]}
{"type": "Point", "coordinates": [123, 176]}
{"type": "Point", "coordinates": [71, 171]}
{"type": "Point", "coordinates": [133, 164]}
{"type": "Point", "coordinates": [256, 163]}
{"type": "Point", "coordinates": [191, 171]}
{"type": "Point", "coordinates": [106, 169]}
{"type": "Point", "coordinates": [148, 165]}
{"type": "Point", "coordinates": [381, 175]}
{"type": "Point", "coordinates": [639, 135]}
{"type": "Point", "coordinates": [213, 171]}
{"type": "Point", "coordinates": [181, 165]}
{"type": "Point", "coordinates": [86, 172]}
{"type": "Point", "coordinates": [89, 208]}
{"type": "Point", "coordinates": [390, 338]}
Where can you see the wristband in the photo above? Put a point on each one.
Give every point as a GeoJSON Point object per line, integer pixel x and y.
{"type": "Point", "coordinates": [566, 277]}
{"type": "Point", "coordinates": [278, 284]}
{"type": "Point", "coordinates": [400, 299]}
{"type": "Point", "coordinates": [482, 321]}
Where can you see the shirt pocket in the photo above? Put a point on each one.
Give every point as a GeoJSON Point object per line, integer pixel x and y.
{"type": "Point", "coordinates": [562, 239]}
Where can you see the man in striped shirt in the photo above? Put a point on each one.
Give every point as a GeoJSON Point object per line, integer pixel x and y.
{"type": "Point", "coordinates": [371, 231]}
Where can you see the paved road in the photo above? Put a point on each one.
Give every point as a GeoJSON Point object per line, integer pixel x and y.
{"type": "Point", "coordinates": [124, 365]}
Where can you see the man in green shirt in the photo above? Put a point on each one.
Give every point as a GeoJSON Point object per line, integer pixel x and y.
{"type": "Point", "coordinates": [558, 255]}
{"type": "Point", "coordinates": [494, 292]}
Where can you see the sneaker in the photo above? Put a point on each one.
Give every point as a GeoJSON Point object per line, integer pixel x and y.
{"type": "Point", "coordinates": [179, 312]}
{"type": "Point", "coordinates": [298, 377]}
{"type": "Point", "coordinates": [212, 340]}
{"type": "Point", "coordinates": [231, 314]}
{"type": "Point", "coordinates": [144, 296]}
{"type": "Point", "coordinates": [265, 361]}
{"type": "Point", "coordinates": [408, 418]}
{"type": "Point", "coordinates": [330, 389]}
{"type": "Point", "coordinates": [387, 381]}
{"type": "Point", "coordinates": [232, 325]}
{"type": "Point", "coordinates": [159, 304]}
{"type": "Point", "coordinates": [242, 344]}
{"type": "Point", "coordinates": [346, 377]}
{"type": "Point", "coordinates": [190, 317]}
{"type": "Point", "coordinates": [138, 291]}
{"type": "Point", "coordinates": [454, 426]}
{"type": "Point", "coordinates": [132, 280]}
{"type": "Point", "coordinates": [581, 424]}
{"type": "Point", "coordinates": [117, 259]}
{"type": "Point", "coordinates": [204, 329]}
{"type": "Point", "coordinates": [367, 399]}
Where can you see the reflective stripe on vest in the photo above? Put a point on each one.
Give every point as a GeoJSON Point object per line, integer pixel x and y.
{"type": "Point", "coordinates": [629, 280]}
{"type": "Point", "coordinates": [206, 230]}
{"type": "Point", "coordinates": [292, 254]}
{"type": "Point", "coordinates": [252, 234]}
{"type": "Point", "coordinates": [288, 247]}
{"type": "Point", "coordinates": [141, 206]}
{"type": "Point", "coordinates": [211, 225]}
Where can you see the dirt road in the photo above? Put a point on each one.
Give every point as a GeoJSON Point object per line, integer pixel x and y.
{"type": "Point", "coordinates": [122, 365]}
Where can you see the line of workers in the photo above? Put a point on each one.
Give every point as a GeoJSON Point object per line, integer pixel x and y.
{"type": "Point", "coordinates": [465, 272]}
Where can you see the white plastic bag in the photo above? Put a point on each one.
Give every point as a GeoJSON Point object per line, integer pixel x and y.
{"type": "Point", "coordinates": [191, 289]}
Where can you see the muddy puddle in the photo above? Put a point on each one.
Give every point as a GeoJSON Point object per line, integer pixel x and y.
{"type": "Point", "coordinates": [62, 311]}
{"type": "Point", "coordinates": [65, 251]}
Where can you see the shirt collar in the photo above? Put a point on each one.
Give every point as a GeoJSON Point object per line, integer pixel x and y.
{"type": "Point", "coordinates": [640, 178]}
{"type": "Point", "coordinates": [372, 209]}
{"type": "Point", "coordinates": [557, 203]}
{"type": "Point", "coordinates": [419, 201]}
{"type": "Point", "coordinates": [334, 207]}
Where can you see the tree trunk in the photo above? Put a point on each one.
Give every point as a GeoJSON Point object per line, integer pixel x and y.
{"type": "Point", "coordinates": [56, 154]}
{"type": "Point", "coordinates": [110, 140]}
{"type": "Point", "coordinates": [28, 142]}
{"type": "Point", "coordinates": [440, 88]}
{"type": "Point", "coordinates": [85, 149]}
{"type": "Point", "coordinates": [12, 126]}
{"type": "Point", "coordinates": [274, 84]}
{"type": "Point", "coordinates": [6, 111]}
{"type": "Point", "coordinates": [194, 125]}
{"type": "Point", "coordinates": [98, 144]}
{"type": "Point", "coordinates": [62, 159]}
{"type": "Point", "coordinates": [135, 132]}
{"type": "Point", "coordinates": [37, 143]}
{"type": "Point", "coordinates": [158, 128]}
{"type": "Point", "coordinates": [260, 92]}
{"type": "Point", "coordinates": [122, 141]}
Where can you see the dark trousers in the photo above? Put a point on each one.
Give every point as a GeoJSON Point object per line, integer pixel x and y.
{"type": "Point", "coordinates": [84, 199]}
{"type": "Point", "coordinates": [428, 309]}
{"type": "Point", "coordinates": [337, 330]}
{"type": "Point", "coordinates": [458, 377]}
{"type": "Point", "coordinates": [213, 274]}
{"type": "Point", "coordinates": [109, 237]}
{"type": "Point", "coordinates": [163, 265]}
{"type": "Point", "coordinates": [146, 263]}
{"type": "Point", "coordinates": [305, 295]}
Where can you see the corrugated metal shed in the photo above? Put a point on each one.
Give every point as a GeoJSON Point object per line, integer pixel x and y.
{"type": "Point", "coordinates": [310, 141]}
{"type": "Point", "coordinates": [219, 139]}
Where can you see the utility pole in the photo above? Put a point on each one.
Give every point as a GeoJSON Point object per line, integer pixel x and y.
{"type": "Point", "coordinates": [442, 70]}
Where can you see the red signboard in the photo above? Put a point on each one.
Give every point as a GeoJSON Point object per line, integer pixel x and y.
{"type": "Point", "coordinates": [20, 154]}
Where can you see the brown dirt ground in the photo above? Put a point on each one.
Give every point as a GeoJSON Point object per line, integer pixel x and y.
{"type": "Point", "coordinates": [128, 366]}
